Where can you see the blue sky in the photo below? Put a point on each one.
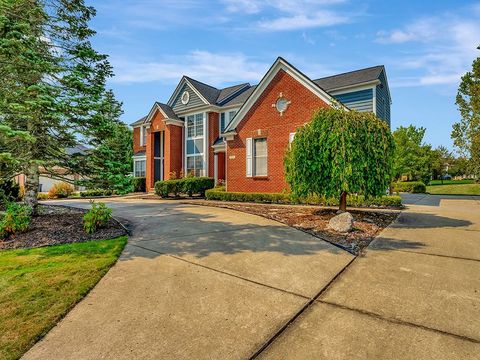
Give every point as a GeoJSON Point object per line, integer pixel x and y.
{"type": "Point", "coordinates": [425, 46]}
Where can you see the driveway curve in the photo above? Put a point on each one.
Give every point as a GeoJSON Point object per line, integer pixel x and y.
{"type": "Point", "coordinates": [194, 282]}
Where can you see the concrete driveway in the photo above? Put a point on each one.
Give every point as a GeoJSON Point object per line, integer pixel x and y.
{"type": "Point", "coordinates": [206, 283]}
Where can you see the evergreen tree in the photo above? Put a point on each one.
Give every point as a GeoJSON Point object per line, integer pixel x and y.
{"type": "Point", "coordinates": [53, 85]}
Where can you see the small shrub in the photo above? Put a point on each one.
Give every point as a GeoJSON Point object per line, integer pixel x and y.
{"type": "Point", "coordinates": [96, 217]}
{"type": "Point", "coordinates": [139, 184]}
{"type": "Point", "coordinates": [414, 187]}
{"type": "Point", "coordinates": [60, 190]}
{"type": "Point", "coordinates": [16, 219]}
{"type": "Point", "coordinates": [43, 196]}
{"type": "Point", "coordinates": [96, 192]}
{"type": "Point", "coordinates": [167, 187]}
{"type": "Point", "coordinates": [197, 185]}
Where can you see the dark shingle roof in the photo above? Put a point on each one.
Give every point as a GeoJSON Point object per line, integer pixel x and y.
{"type": "Point", "coordinates": [350, 78]}
{"type": "Point", "coordinates": [168, 111]}
{"type": "Point", "coordinates": [227, 92]}
{"type": "Point", "coordinates": [241, 98]}
{"type": "Point", "coordinates": [139, 121]}
{"type": "Point", "coordinates": [210, 93]}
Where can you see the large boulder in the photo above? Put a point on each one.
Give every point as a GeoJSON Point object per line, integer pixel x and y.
{"type": "Point", "coordinates": [341, 223]}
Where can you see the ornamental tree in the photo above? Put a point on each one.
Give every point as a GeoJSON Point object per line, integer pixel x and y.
{"type": "Point", "coordinates": [340, 152]}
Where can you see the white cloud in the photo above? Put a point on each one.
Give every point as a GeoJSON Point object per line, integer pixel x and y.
{"type": "Point", "coordinates": [440, 48]}
{"type": "Point", "coordinates": [303, 21]}
{"type": "Point", "coordinates": [212, 68]}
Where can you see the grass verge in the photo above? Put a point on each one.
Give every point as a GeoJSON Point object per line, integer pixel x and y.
{"type": "Point", "coordinates": [39, 286]}
{"type": "Point", "coordinates": [460, 189]}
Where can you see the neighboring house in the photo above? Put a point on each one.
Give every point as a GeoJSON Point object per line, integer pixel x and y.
{"type": "Point", "coordinates": [240, 133]}
{"type": "Point", "coordinates": [48, 179]}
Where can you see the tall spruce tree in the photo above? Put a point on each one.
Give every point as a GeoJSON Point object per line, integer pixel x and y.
{"type": "Point", "coordinates": [466, 132]}
{"type": "Point", "coordinates": [52, 85]}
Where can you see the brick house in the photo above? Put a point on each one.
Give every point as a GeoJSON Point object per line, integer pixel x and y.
{"type": "Point", "coordinates": [239, 134]}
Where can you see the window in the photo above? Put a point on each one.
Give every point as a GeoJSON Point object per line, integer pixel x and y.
{"type": "Point", "coordinates": [291, 137]}
{"type": "Point", "coordinates": [139, 168]}
{"type": "Point", "coordinates": [195, 144]}
{"type": "Point", "coordinates": [143, 135]}
{"type": "Point", "coordinates": [225, 118]}
{"type": "Point", "coordinates": [260, 157]}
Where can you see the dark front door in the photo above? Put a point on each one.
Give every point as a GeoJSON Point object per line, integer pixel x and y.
{"type": "Point", "coordinates": [158, 152]}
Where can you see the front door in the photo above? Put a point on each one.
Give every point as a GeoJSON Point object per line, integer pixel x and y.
{"type": "Point", "coordinates": [158, 155]}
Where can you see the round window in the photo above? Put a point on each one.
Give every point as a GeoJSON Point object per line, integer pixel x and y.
{"type": "Point", "coordinates": [185, 97]}
{"type": "Point", "coordinates": [281, 104]}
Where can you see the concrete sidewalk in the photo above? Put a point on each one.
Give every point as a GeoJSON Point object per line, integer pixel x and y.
{"type": "Point", "coordinates": [414, 295]}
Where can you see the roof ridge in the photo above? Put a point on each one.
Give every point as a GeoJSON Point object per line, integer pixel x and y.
{"type": "Point", "coordinates": [352, 71]}
{"type": "Point", "coordinates": [228, 87]}
{"type": "Point", "coordinates": [200, 82]}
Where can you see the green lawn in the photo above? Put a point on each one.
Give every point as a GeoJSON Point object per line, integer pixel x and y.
{"type": "Point", "coordinates": [39, 286]}
{"type": "Point", "coordinates": [451, 182]}
{"type": "Point", "coordinates": [460, 189]}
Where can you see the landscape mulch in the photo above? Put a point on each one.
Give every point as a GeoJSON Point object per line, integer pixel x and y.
{"type": "Point", "coordinates": [368, 223]}
{"type": "Point", "coordinates": [56, 225]}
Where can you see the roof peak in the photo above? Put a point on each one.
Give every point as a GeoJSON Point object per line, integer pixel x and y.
{"type": "Point", "coordinates": [351, 71]}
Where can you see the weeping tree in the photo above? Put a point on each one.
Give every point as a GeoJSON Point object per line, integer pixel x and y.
{"type": "Point", "coordinates": [340, 152]}
{"type": "Point", "coordinates": [53, 87]}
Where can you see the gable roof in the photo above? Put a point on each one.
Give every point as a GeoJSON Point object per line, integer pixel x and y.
{"type": "Point", "coordinates": [208, 92]}
{"type": "Point", "coordinates": [138, 122]}
{"type": "Point", "coordinates": [355, 77]}
{"type": "Point", "coordinates": [279, 64]}
{"type": "Point", "coordinates": [240, 98]}
{"type": "Point", "coordinates": [228, 93]}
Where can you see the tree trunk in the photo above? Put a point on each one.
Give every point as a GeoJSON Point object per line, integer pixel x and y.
{"type": "Point", "coordinates": [31, 187]}
{"type": "Point", "coordinates": [343, 201]}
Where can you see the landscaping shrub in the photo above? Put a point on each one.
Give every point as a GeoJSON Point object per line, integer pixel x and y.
{"type": "Point", "coordinates": [60, 190]}
{"type": "Point", "coordinates": [96, 217]}
{"type": "Point", "coordinates": [188, 185]}
{"type": "Point", "coordinates": [16, 219]}
{"type": "Point", "coordinates": [281, 198]}
{"type": "Point", "coordinates": [9, 191]}
{"type": "Point", "coordinates": [96, 192]}
{"type": "Point", "coordinates": [414, 187]}
{"type": "Point", "coordinates": [197, 185]}
{"type": "Point", "coordinates": [43, 196]}
{"type": "Point", "coordinates": [139, 184]}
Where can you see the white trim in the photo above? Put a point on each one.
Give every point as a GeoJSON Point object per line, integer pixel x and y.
{"type": "Point", "coordinates": [143, 133]}
{"type": "Point", "coordinates": [249, 157]}
{"type": "Point", "coordinates": [178, 88]}
{"type": "Point", "coordinates": [374, 102]}
{"type": "Point", "coordinates": [215, 168]}
{"type": "Point", "coordinates": [280, 64]}
{"type": "Point", "coordinates": [174, 122]}
{"type": "Point", "coordinates": [205, 144]}
{"type": "Point", "coordinates": [355, 87]}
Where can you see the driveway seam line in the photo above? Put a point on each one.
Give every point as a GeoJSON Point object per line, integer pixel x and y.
{"type": "Point", "coordinates": [299, 313]}
{"type": "Point", "coordinates": [428, 254]}
{"type": "Point", "coordinates": [224, 272]}
{"type": "Point", "coordinates": [196, 234]}
{"type": "Point", "coordinates": [399, 321]}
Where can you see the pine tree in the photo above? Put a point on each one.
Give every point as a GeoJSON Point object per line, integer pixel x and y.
{"type": "Point", "coordinates": [52, 85]}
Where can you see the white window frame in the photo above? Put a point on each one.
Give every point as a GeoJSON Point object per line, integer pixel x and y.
{"type": "Point", "coordinates": [254, 156]}
{"type": "Point", "coordinates": [250, 157]}
{"type": "Point", "coordinates": [143, 135]}
{"type": "Point", "coordinates": [135, 161]}
{"type": "Point", "coordinates": [227, 116]}
{"type": "Point", "coordinates": [203, 137]}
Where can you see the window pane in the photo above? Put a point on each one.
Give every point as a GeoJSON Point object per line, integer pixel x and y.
{"type": "Point", "coordinates": [199, 124]}
{"type": "Point", "coordinates": [199, 146]}
{"type": "Point", "coordinates": [260, 157]}
{"type": "Point", "coordinates": [222, 122]}
{"type": "Point", "coordinates": [190, 147]}
{"type": "Point", "coordinates": [231, 114]}
{"type": "Point", "coordinates": [198, 162]}
{"type": "Point", "coordinates": [261, 166]}
{"type": "Point", "coordinates": [190, 126]}
{"type": "Point", "coordinates": [260, 147]}
{"type": "Point", "coordinates": [190, 164]}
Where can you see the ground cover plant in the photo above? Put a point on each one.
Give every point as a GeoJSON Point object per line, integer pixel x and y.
{"type": "Point", "coordinates": [454, 189]}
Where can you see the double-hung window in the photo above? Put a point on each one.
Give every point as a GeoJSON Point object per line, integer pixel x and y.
{"type": "Point", "coordinates": [139, 168]}
{"type": "Point", "coordinates": [195, 145]}
{"type": "Point", "coordinates": [256, 152]}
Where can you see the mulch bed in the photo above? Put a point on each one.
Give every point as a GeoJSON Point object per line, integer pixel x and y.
{"type": "Point", "coordinates": [314, 220]}
{"type": "Point", "coordinates": [56, 225]}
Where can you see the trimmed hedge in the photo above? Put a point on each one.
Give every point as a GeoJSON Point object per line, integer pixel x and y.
{"type": "Point", "coordinates": [414, 187]}
{"type": "Point", "coordinates": [281, 198]}
{"type": "Point", "coordinates": [96, 192]}
{"type": "Point", "coordinates": [189, 186]}
{"type": "Point", "coordinates": [139, 184]}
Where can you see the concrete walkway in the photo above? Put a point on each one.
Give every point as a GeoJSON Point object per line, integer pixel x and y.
{"type": "Point", "coordinates": [206, 283]}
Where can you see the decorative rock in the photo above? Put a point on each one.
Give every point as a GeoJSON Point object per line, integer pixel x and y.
{"type": "Point", "coordinates": [341, 223]}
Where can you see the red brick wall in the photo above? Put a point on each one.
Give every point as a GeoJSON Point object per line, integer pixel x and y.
{"type": "Point", "coordinates": [136, 141]}
{"type": "Point", "coordinates": [213, 128]}
{"type": "Point", "coordinates": [157, 124]}
{"type": "Point", "coordinates": [266, 120]}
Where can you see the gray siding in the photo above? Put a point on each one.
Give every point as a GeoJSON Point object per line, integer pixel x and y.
{"type": "Point", "coordinates": [194, 99]}
{"type": "Point", "coordinates": [383, 102]}
{"type": "Point", "coordinates": [357, 100]}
